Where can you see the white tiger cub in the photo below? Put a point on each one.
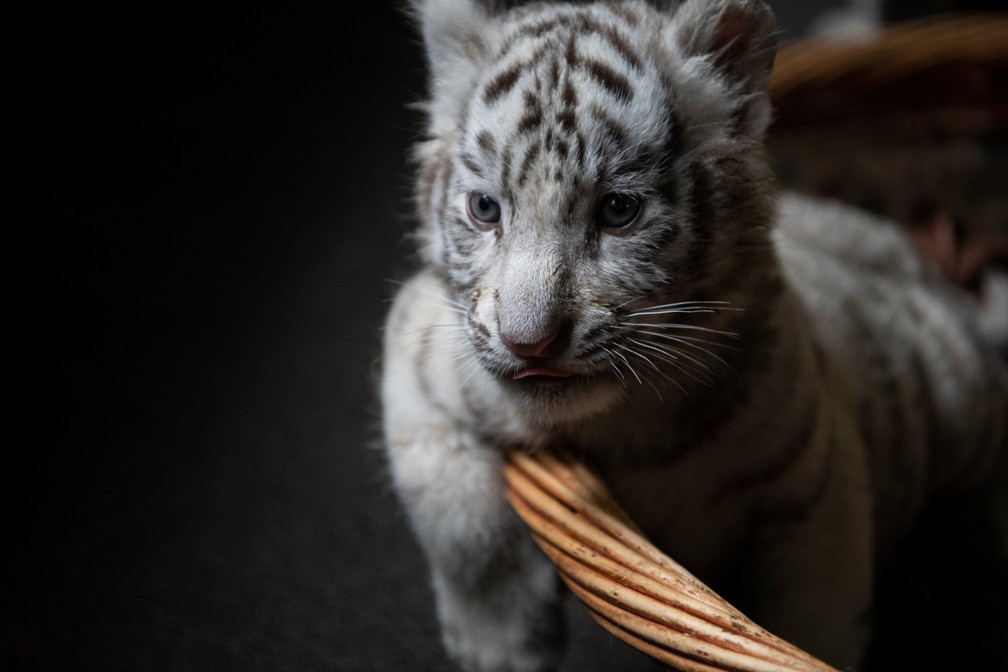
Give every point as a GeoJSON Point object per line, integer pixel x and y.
{"type": "Point", "coordinates": [605, 268]}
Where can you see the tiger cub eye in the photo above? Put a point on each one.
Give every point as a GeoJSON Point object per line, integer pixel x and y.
{"type": "Point", "coordinates": [483, 209]}
{"type": "Point", "coordinates": [617, 211]}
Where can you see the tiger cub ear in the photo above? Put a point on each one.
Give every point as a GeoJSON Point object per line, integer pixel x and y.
{"type": "Point", "coordinates": [739, 39]}
{"type": "Point", "coordinates": [738, 36]}
{"type": "Point", "coordinates": [454, 35]}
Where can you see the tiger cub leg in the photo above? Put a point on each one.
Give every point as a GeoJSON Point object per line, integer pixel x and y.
{"type": "Point", "coordinates": [496, 593]}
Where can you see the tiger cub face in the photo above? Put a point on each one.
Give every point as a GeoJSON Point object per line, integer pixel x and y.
{"type": "Point", "coordinates": [586, 166]}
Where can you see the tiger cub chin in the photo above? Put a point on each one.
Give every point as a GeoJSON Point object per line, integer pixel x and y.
{"type": "Point", "coordinates": [605, 267]}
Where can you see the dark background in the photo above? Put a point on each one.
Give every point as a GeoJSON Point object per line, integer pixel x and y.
{"type": "Point", "coordinates": [205, 211]}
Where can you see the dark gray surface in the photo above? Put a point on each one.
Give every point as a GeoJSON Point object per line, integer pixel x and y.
{"type": "Point", "coordinates": [209, 207]}
{"type": "Point", "coordinates": [213, 207]}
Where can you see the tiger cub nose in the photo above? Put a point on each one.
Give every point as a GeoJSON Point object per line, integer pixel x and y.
{"type": "Point", "coordinates": [539, 348]}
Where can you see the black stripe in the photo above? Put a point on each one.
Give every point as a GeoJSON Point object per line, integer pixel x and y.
{"type": "Point", "coordinates": [567, 120]}
{"type": "Point", "coordinates": [612, 81]}
{"type": "Point", "coordinates": [571, 205]}
{"type": "Point", "coordinates": [615, 40]}
{"type": "Point", "coordinates": [505, 171]}
{"type": "Point", "coordinates": [699, 199]}
{"type": "Point", "coordinates": [737, 116]}
{"type": "Point", "coordinates": [554, 73]}
{"type": "Point", "coordinates": [419, 358]}
{"type": "Point", "coordinates": [703, 415]}
{"type": "Point", "coordinates": [872, 419]}
{"type": "Point", "coordinates": [561, 148]}
{"type": "Point", "coordinates": [582, 150]}
{"type": "Point", "coordinates": [570, 53]}
{"type": "Point", "coordinates": [485, 140]}
{"type": "Point", "coordinates": [613, 129]}
{"type": "Point", "coordinates": [539, 29]}
{"type": "Point", "coordinates": [796, 511]}
{"type": "Point", "coordinates": [673, 145]}
{"type": "Point", "coordinates": [532, 119]}
{"type": "Point", "coordinates": [460, 276]}
{"type": "Point", "coordinates": [590, 352]}
{"type": "Point", "coordinates": [569, 96]}
{"type": "Point", "coordinates": [443, 205]}
{"type": "Point", "coordinates": [480, 328]}
{"type": "Point", "coordinates": [526, 165]}
{"type": "Point", "coordinates": [500, 85]}
{"type": "Point", "coordinates": [621, 11]}
{"type": "Point", "coordinates": [798, 444]}
{"type": "Point", "coordinates": [471, 164]}
{"type": "Point", "coordinates": [595, 332]}
{"type": "Point", "coordinates": [425, 187]}
{"type": "Point", "coordinates": [461, 235]}
{"type": "Point", "coordinates": [447, 173]}
{"type": "Point", "coordinates": [701, 196]}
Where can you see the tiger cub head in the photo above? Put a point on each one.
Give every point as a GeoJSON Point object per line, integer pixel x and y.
{"type": "Point", "coordinates": [594, 190]}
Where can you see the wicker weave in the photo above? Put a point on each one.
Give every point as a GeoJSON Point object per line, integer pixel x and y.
{"type": "Point", "coordinates": [630, 587]}
{"type": "Point", "coordinates": [948, 73]}
{"type": "Point", "coordinates": [907, 123]}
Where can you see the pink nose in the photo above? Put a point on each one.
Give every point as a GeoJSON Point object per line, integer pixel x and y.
{"type": "Point", "coordinates": [537, 349]}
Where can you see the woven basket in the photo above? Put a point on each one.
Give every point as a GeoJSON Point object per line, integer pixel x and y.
{"type": "Point", "coordinates": [632, 589]}
{"type": "Point", "coordinates": [945, 74]}
{"type": "Point", "coordinates": [907, 123]}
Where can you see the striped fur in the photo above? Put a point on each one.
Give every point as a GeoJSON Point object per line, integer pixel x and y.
{"type": "Point", "coordinates": [780, 382]}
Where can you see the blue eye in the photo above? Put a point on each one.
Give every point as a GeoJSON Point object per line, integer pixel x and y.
{"type": "Point", "coordinates": [617, 210]}
{"type": "Point", "coordinates": [484, 209]}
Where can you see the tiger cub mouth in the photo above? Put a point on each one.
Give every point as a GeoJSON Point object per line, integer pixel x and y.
{"type": "Point", "coordinates": [538, 373]}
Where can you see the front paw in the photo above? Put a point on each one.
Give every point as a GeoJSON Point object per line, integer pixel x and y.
{"type": "Point", "coordinates": [493, 646]}
{"type": "Point", "coordinates": [497, 629]}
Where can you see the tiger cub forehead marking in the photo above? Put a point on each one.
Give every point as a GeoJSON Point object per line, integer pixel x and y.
{"type": "Point", "coordinates": [567, 98]}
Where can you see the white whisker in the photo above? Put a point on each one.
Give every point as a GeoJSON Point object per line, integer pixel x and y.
{"type": "Point", "coordinates": [610, 357]}
{"type": "Point", "coordinates": [443, 301]}
{"type": "Point", "coordinates": [700, 376]}
{"type": "Point", "coordinates": [627, 361]}
{"type": "Point", "coordinates": [712, 305]}
{"type": "Point", "coordinates": [660, 372]}
{"type": "Point", "coordinates": [693, 340]}
{"type": "Point", "coordinates": [693, 343]}
{"type": "Point", "coordinates": [473, 365]}
{"type": "Point", "coordinates": [671, 311]}
{"type": "Point", "coordinates": [674, 353]}
{"type": "Point", "coordinates": [427, 327]}
{"type": "Point", "coordinates": [680, 325]}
